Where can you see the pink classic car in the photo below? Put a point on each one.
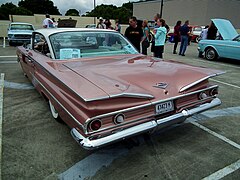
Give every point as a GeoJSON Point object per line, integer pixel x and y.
{"type": "Point", "coordinates": [105, 91]}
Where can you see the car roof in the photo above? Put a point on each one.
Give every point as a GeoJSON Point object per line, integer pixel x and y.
{"type": "Point", "coordinates": [50, 31]}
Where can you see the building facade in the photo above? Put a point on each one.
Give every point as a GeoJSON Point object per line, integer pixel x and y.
{"type": "Point", "coordinates": [198, 12]}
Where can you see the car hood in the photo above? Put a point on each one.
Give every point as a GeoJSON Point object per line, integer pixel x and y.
{"type": "Point", "coordinates": [225, 28]}
{"type": "Point", "coordinates": [138, 76]}
{"type": "Point", "coordinates": [28, 32]}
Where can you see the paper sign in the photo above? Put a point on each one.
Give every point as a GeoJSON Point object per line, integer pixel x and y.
{"type": "Point", "coordinates": [69, 53]}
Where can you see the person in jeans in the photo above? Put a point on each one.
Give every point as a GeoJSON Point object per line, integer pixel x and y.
{"type": "Point", "coordinates": [176, 36]}
{"type": "Point", "coordinates": [184, 32]}
{"type": "Point", "coordinates": [160, 37]}
{"type": "Point", "coordinates": [145, 40]}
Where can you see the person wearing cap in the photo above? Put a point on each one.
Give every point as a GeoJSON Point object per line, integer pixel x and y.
{"type": "Point", "coordinates": [100, 24]}
{"type": "Point", "coordinates": [47, 22]}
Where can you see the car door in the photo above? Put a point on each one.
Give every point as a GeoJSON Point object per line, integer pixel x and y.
{"type": "Point", "coordinates": [27, 63]}
{"type": "Point", "coordinates": [232, 50]}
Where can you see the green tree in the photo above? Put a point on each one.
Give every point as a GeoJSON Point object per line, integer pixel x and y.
{"type": "Point", "coordinates": [128, 6]}
{"type": "Point", "coordinates": [39, 6]}
{"type": "Point", "coordinates": [21, 11]}
{"type": "Point", "coordinates": [6, 9]}
{"type": "Point", "coordinates": [112, 12]}
{"type": "Point", "coordinates": [72, 12]}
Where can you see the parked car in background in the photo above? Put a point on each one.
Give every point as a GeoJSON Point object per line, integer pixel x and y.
{"type": "Point", "coordinates": [90, 26]}
{"type": "Point", "coordinates": [195, 33]}
{"type": "Point", "coordinates": [105, 90]}
{"type": "Point", "coordinates": [19, 33]}
{"type": "Point", "coordinates": [227, 44]}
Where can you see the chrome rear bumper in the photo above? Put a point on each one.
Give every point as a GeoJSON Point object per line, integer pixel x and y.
{"type": "Point", "coordinates": [154, 124]}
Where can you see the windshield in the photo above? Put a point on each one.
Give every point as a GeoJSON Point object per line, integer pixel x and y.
{"type": "Point", "coordinates": [237, 38]}
{"type": "Point", "coordinates": [69, 45]}
{"type": "Point", "coordinates": [21, 27]}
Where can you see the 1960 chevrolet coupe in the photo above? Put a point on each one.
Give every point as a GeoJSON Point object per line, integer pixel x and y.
{"type": "Point", "coordinates": [105, 90]}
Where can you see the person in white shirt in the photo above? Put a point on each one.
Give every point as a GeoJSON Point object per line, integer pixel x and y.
{"type": "Point", "coordinates": [47, 22]}
{"type": "Point", "coordinates": [100, 24]}
{"type": "Point", "coordinates": [204, 33]}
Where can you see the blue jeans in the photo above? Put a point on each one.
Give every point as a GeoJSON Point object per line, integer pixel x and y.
{"type": "Point", "coordinates": [184, 44]}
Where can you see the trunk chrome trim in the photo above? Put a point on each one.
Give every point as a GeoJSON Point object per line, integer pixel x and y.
{"type": "Point", "coordinates": [144, 105]}
{"type": "Point", "coordinates": [89, 144]}
{"type": "Point", "coordinates": [199, 81]}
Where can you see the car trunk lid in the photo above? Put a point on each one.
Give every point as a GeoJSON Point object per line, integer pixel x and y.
{"type": "Point", "coordinates": [140, 76]}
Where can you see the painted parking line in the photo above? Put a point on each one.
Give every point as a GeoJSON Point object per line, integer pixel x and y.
{"type": "Point", "coordinates": [1, 119]}
{"type": "Point", "coordinates": [232, 85]}
{"type": "Point", "coordinates": [89, 166]}
{"type": "Point", "coordinates": [217, 135]}
{"type": "Point", "coordinates": [13, 85]}
{"type": "Point", "coordinates": [8, 56]}
{"type": "Point", "coordinates": [105, 157]}
{"type": "Point", "coordinates": [8, 62]}
{"type": "Point", "coordinates": [230, 111]}
{"type": "Point", "coordinates": [228, 169]}
{"type": "Point", "coordinates": [224, 172]}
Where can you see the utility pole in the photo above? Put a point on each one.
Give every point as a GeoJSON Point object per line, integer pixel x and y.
{"type": "Point", "coordinates": [161, 9]}
{"type": "Point", "coordinates": [94, 5]}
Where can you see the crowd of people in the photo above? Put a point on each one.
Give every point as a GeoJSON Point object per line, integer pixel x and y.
{"type": "Point", "coordinates": [140, 35]}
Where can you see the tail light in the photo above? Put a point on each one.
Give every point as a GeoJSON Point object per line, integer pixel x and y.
{"type": "Point", "coordinates": [213, 92]}
{"type": "Point", "coordinates": [95, 124]}
{"type": "Point", "coordinates": [119, 118]}
{"type": "Point", "coordinates": [202, 95]}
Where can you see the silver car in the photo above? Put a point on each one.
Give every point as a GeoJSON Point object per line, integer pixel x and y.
{"type": "Point", "coordinates": [19, 33]}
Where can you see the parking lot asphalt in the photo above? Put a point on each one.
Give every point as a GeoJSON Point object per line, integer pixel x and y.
{"type": "Point", "coordinates": [34, 146]}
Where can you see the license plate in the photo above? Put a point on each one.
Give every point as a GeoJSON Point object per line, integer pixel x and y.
{"type": "Point", "coordinates": [164, 107]}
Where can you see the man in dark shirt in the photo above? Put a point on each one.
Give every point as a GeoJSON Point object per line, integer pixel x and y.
{"type": "Point", "coordinates": [184, 32]}
{"type": "Point", "coordinates": [134, 33]}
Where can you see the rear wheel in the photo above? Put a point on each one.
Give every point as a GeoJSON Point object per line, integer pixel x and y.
{"type": "Point", "coordinates": [54, 112]}
{"type": "Point", "coordinates": [211, 54]}
{"type": "Point", "coordinates": [197, 39]}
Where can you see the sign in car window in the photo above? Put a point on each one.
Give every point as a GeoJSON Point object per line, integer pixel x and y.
{"type": "Point", "coordinates": [68, 53]}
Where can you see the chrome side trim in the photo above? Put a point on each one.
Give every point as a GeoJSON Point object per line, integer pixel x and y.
{"type": "Point", "coordinates": [81, 125]}
{"type": "Point", "coordinates": [87, 143]}
{"type": "Point", "coordinates": [198, 81]}
{"type": "Point", "coordinates": [215, 44]}
{"type": "Point", "coordinates": [192, 84]}
{"type": "Point", "coordinates": [136, 95]}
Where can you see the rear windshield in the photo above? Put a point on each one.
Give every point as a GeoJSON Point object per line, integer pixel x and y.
{"type": "Point", "coordinates": [79, 44]}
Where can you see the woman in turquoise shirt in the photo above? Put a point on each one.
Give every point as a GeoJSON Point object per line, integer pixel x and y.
{"type": "Point", "coordinates": [160, 37]}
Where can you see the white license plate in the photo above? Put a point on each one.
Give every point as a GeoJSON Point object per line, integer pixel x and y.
{"type": "Point", "coordinates": [164, 107]}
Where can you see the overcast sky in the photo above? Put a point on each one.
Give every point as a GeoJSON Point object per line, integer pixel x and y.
{"type": "Point", "coordinates": [81, 5]}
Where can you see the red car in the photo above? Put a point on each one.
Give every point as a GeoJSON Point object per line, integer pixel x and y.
{"type": "Point", "coordinates": [105, 91]}
{"type": "Point", "coordinates": [195, 32]}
